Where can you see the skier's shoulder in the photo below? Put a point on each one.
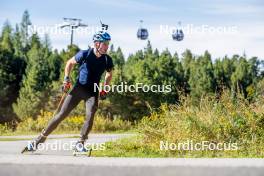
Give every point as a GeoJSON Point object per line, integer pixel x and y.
{"type": "Point", "coordinates": [83, 55]}
{"type": "Point", "coordinates": [86, 53]}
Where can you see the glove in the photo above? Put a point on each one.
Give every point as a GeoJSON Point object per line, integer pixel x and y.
{"type": "Point", "coordinates": [102, 95]}
{"type": "Point", "coordinates": [66, 84]}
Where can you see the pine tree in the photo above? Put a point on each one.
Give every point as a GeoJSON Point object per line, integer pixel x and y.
{"type": "Point", "coordinates": [202, 80]}
{"type": "Point", "coordinates": [18, 43]}
{"type": "Point", "coordinates": [34, 92]}
{"type": "Point", "coordinates": [55, 63]}
{"type": "Point", "coordinates": [187, 59]}
{"type": "Point", "coordinates": [11, 71]}
{"type": "Point", "coordinates": [6, 38]}
{"type": "Point", "coordinates": [24, 32]}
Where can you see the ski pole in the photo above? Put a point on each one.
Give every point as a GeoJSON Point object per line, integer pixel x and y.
{"type": "Point", "coordinates": [64, 95]}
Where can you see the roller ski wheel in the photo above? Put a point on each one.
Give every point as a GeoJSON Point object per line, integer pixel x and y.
{"type": "Point", "coordinates": [82, 151]}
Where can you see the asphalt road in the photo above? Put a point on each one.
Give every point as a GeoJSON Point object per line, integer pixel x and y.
{"type": "Point", "coordinates": [62, 163]}
{"type": "Point", "coordinates": [57, 141]}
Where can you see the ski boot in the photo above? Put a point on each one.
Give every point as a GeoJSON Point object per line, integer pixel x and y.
{"type": "Point", "coordinates": [80, 149]}
{"type": "Point", "coordinates": [33, 145]}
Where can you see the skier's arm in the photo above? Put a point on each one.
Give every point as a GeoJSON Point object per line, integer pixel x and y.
{"type": "Point", "coordinates": [108, 77]}
{"type": "Point", "coordinates": [69, 65]}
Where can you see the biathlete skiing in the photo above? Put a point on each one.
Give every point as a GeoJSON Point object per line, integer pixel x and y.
{"type": "Point", "coordinates": [93, 63]}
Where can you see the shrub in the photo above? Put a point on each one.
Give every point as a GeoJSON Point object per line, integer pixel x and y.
{"type": "Point", "coordinates": [73, 124]}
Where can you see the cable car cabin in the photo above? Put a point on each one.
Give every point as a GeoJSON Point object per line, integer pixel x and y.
{"type": "Point", "coordinates": [178, 35]}
{"type": "Point", "coordinates": [142, 34]}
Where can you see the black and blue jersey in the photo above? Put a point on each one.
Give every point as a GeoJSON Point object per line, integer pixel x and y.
{"type": "Point", "coordinates": [91, 68]}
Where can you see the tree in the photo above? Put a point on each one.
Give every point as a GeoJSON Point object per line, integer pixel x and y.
{"type": "Point", "coordinates": [18, 44]}
{"type": "Point", "coordinates": [6, 38]}
{"type": "Point", "coordinates": [11, 71]}
{"type": "Point", "coordinates": [202, 80]}
{"type": "Point", "coordinates": [12, 68]}
{"type": "Point", "coordinates": [24, 29]}
{"type": "Point", "coordinates": [187, 59]}
{"type": "Point", "coordinates": [55, 62]}
{"type": "Point", "coordinates": [151, 69]}
{"type": "Point", "coordinates": [34, 92]}
{"type": "Point", "coordinates": [148, 50]}
{"type": "Point", "coordinates": [245, 76]}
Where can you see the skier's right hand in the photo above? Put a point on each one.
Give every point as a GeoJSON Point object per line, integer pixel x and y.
{"type": "Point", "coordinates": [66, 84]}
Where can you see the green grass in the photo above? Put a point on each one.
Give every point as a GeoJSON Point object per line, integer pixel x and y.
{"type": "Point", "coordinates": [127, 147]}
{"type": "Point", "coordinates": [24, 133]}
{"type": "Point", "coordinates": [71, 125]}
{"type": "Point", "coordinates": [218, 121]}
{"type": "Point", "coordinates": [134, 147]}
{"type": "Point", "coordinates": [29, 138]}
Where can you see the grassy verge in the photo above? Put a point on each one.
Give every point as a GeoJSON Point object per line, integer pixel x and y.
{"type": "Point", "coordinates": [24, 133]}
{"type": "Point", "coordinates": [71, 125]}
{"type": "Point", "coordinates": [224, 122]}
{"type": "Point", "coordinates": [135, 147]}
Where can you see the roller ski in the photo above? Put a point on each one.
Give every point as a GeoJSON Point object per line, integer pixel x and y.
{"type": "Point", "coordinates": [81, 150]}
{"type": "Point", "coordinates": [32, 146]}
{"type": "Point", "coordinates": [29, 148]}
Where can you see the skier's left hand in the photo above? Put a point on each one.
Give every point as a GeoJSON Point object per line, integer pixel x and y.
{"type": "Point", "coordinates": [102, 95]}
